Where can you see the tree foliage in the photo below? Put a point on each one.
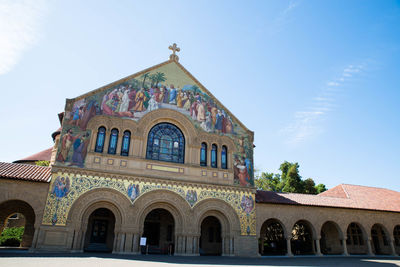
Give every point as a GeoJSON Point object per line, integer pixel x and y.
{"type": "Point", "coordinates": [289, 180]}
{"type": "Point", "coordinates": [42, 163]}
{"type": "Point", "coordinates": [11, 235]}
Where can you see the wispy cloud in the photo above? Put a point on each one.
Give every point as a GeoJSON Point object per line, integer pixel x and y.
{"type": "Point", "coordinates": [20, 22]}
{"type": "Point", "coordinates": [283, 18]}
{"type": "Point", "coordinates": [307, 123]}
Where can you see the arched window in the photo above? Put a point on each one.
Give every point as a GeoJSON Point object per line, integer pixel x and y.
{"type": "Point", "coordinates": [126, 140]}
{"type": "Point", "coordinates": [214, 151]}
{"type": "Point", "coordinates": [203, 154]}
{"type": "Point", "coordinates": [112, 146]}
{"type": "Point", "coordinates": [224, 162]}
{"type": "Point", "coordinates": [101, 134]}
{"type": "Point", "coordinates": [166, 142]}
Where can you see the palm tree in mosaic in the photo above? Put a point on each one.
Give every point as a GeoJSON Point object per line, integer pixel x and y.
{"type": "Point", "coordinates": [144, 76]}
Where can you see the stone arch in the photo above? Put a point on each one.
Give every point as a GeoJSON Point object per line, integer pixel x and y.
{"type": "Point", "coordinates": [356, 238]}
{"type": "Point", "coordinates": [95, 198]}
{"type": "Point", "coordinates": [86, 204]}
{"type": "Point", "coordinates": [380, 240]}
{"type": "Point", "coordinates": [331, 238]}
{"type": "Point", "coordinates": [303, 236]}
{"type": "Point", "coordinates": [229, 219]}
{"type": "Point", "coordinates": [10, 207]}
{"type": "Point", "coordinates": [112, 227]}
{"type": "Point", "coordinates": [167, 115]}
{"type": "Point", "coordinates": [162, 199]}
{"type": "Point", "coordinates": [272, 237]}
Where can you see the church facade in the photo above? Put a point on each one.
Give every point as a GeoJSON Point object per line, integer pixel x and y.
{"type": "Point", "coordinates": [154, 163]}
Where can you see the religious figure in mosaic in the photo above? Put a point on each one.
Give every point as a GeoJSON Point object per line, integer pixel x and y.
{"type": "Point", "coordinates": [133, 191]}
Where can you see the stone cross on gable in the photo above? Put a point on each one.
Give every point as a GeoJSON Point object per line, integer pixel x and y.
{"type": "Point", "coordinates": [174, 49]}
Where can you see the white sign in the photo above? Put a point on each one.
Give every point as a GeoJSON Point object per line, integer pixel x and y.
{"type": "Point", "coordinates": [143, 241]}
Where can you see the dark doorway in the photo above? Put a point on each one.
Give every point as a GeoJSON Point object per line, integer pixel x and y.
{"type": "Point", "coordinates": [302, 242]}
{"type": "Point", "coordinates": [159, 229]}
{"type": "Point", "coordinates": [380, 240]}
{"type": "Point", "coordinates": [100, 232]}
{"type": "Point", "coordinates": [210, 240]}
{"type": "Point", "coordinates": [272, 239]}
{"type": "Point", "coordinates": [331, 243]}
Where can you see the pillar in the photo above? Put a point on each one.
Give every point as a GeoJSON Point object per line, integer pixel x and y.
{"type": "Point", "coordinates": [231, 248]}
{"type": "Point", "coordinates": [318, 246]}
{"type": "Point", "coordinates": [189, 245]}
{"type": "Point", "coordinates": [135, 248]}
{"type": "Point", "coordinates": [344, 242]}
{"type": "Point", "coordinates": [289, 246]}
{"type": "Point", "coordinates": [369, 246]}
{"type": "Point", "coordinates": [128, 242]}
{"type": "Point", "coordinates": [226, 246]}
{"type": "Point", "coordinates": [196, 245]}
{"type": "Point", "coordinates": [392, 247]}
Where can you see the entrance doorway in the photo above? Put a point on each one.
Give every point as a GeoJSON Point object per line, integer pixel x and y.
{"type": "Point", "coordinates": [159, 230]}
{"type": "Point", "coordinates": [100, 231]}
{"type": "Point", "coordinates": [210, 240]}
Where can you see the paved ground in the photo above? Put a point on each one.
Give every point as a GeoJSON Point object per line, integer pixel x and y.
{"type": "Point", "coordinates": [22, 259]}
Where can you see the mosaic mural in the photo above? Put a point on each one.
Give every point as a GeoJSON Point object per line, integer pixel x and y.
{"type": "Point", "coordinates": [66, 188]}
{"type": "Point", "coordinates": [168, 87]}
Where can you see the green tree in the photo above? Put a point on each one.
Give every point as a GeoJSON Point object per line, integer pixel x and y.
{"type": "Point", "coordinates": [309, 186]}
{"type": "Point", "coordinates": [268, 181]}
{"type": "Point", "coordinates": [42, 163]}
{"type": "Point", "coordinates": [288, 181]}
{"type": "Point", "coordinates": [293, 182]}
{"type": "Point", "coordinates": [320, 188]}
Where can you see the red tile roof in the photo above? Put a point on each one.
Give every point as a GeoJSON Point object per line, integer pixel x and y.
{"type": "Point", "coordinates": [42, 155]}
{"type": "Point", "coordinates": [25, 172]}
{"type": "Point", "coordinates": [341, 196]}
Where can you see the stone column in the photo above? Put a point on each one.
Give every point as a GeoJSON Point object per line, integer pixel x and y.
{"type": "Point", "coordinates": [189, 245]}
{"type": "Point", "coordinates": [196, 245]}
{"type": "Point", "coordinates": [392, 247]}
{"type": "Point", "coordinates": [344, 242]}
{"type": "Point", "coordinates": [121, 242]}
{"type": "Point", "coordinates": [289, 246]}
{"type": "Point", "coordinates": [35, 238]}
{"type": "Point", "coordinates": [318, 246]}
{"type": "Point", "coordinates": [225, 247]}
{"type": "Point", "coordinates": [128, 242]}
{"type": "Point", "coordinates": [135, 248]}
{"type": "Point", "coordinates": [116, 243]}
{"type": "Point", "coordinates": [231, 248]}
{"type": "Point", "coordinates": [369, 247]}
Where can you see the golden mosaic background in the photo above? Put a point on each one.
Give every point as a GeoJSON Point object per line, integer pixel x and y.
{"type": "Point", "coordinates": [59, 207]}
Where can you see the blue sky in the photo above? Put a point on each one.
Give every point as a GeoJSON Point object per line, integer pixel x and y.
{"type": "Point", "coordinates": [317, 81]}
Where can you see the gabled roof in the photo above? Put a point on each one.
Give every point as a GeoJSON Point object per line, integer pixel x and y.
{"type": "Point", "coordinates": [42, 155]}
{"type": "Point", "coordinates": [341, 196]}
{"type": "Point", "coordinates": [25, 172]}
{"type": "Point", "coordinates": [135, 75]}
